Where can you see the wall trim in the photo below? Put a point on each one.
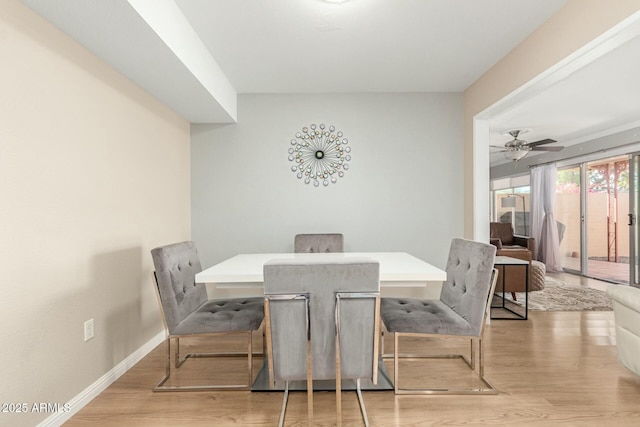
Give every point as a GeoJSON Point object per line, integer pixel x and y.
{"type": "Point", "coordinates": [481, 180]}
{"type": "Point", "coordinates": [87, 395]}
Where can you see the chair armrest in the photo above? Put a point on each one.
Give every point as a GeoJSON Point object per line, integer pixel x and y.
{"type": "Point", "coordinates": [625, 295]}
{"type": "Point", "coordinates": [527, 242]}
{"type": "Point", "coordinates": [496, 242]}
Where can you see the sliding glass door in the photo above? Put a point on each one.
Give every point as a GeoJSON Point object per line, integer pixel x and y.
{"type": "Point", "coordinates": [634, 210]}
{"type": "Point", "coordinates": [607, 202]}
{"type": "Point", "coordinates": [592, 208]}
{"type": "Point", "coordinates": [570, 218]}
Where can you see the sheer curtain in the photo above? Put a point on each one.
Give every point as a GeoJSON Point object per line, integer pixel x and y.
{"type": "Point", "coordinates": [543, 224]}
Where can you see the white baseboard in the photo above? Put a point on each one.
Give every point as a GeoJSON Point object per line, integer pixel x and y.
{"type": "Point", "coordinates": [88, 394]}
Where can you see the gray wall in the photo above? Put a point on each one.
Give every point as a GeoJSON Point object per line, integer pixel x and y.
{"type": "Point", "coordinates": [403, 191]}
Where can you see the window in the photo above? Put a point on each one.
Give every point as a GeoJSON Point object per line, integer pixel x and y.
{"type": "Point", "coordinates": [510, 199]}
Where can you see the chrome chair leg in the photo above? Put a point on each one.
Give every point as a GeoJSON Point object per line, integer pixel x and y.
{"type": "Point", "coordinates": [250, 358]}
{"type": "Point", "coordinates": [472, 359]}
{"type": "Point", "coordinates": [338, 371]}
{"type": "Point", "coordinates": [395, 363]}
{"type": "Point", "coordinates": [285, 400]}
{"type": "Point", "coordinates": [486, 388]}
{"type": "Point", "coordinates": [167, 365]}
{"type": "Point", "coordinates": [178, 363]}
{"type": "Point", "coordinates": [176, 356]}
{"type": "Point", "coordinates": [361, 401]}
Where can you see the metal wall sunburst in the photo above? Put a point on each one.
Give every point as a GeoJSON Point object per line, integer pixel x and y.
{"type": "Point", "coordinates": [319, 154]}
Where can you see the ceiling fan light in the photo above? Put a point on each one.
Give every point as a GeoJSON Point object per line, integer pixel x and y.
{"type": "Point", "coordinates": [515, 155]}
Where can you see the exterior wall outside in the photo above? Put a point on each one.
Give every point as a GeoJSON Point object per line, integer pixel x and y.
{"type": "Point", "coordinates": [598, 237]}
{"type": "Point", "coordinates": [94, 172]}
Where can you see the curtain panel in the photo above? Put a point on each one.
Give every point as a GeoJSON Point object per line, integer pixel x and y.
{"type": "Point", "coordinates": [543, 224]}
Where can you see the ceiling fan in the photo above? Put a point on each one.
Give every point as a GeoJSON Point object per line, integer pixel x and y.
{"type": "Point", "coordinates": [516, 149]}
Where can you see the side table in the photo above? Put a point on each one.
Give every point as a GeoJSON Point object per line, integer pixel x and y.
{"type": "Point", "coordinates": [504, 261]}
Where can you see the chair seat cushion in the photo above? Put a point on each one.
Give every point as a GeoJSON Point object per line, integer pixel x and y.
{"type": "Point", "coordinates": [228, 315]}
{"type": "Point", "coordinates": [422, 316]}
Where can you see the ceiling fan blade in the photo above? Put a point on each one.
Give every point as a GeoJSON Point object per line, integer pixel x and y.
{"type": "Point", "coordinates": [547, 148]}
{"type": "Point", "coordinates": [497, 146]}
{"type": "Point", "coordinates": [541, 142]}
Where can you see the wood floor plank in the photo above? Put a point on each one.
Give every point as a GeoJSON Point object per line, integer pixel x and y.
{"type": "Point", "coordinates": [557, 368]}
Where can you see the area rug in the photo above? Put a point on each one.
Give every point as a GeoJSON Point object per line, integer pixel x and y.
{"type": "Point", "coordinates": [561, 296]}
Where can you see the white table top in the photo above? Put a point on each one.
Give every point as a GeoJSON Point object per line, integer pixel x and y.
{"type": "Point", "coordinates": [507, 260]}
{"type": "Point", "coordinates": [394, 267]}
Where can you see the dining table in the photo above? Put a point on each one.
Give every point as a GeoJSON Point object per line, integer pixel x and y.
{"type": "Point", "coordinates": [398, 271]}
{"type": "Point", "coordinates": [401, 275]}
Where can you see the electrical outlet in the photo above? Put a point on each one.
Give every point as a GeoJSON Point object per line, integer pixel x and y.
{"type": "Point", "coordinates": [88, 330]}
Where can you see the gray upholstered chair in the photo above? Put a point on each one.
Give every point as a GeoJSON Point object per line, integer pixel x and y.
{"type": "Point", "coordinates": [186, 310]}
{"type": "Point", "coordinates": [306, 302]}
{"type": "Point", "coordinates": [331, 242]}
{"type": "Point", "coordinates": [460, 312]}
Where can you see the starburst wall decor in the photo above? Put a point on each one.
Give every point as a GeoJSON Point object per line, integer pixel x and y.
{"type": "Point", "coordinates": [319, 154]}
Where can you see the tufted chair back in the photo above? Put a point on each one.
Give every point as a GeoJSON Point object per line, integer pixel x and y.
{"type": "Point", "coordinates": [321, 278]}
{"type": "Point", "coordinates": [468, 283]}
{"type": "Point", "coordinates": [176, 267]}
{"type": "Point", "coordinates": [331, 242]}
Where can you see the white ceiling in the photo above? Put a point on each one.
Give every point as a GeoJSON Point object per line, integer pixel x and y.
{"type": "Point", "coordinates": [296, 46]}
{"type": "Point", "coordinates": [302, 46]}
{"type": "Point", "coordinates": [196, 55]}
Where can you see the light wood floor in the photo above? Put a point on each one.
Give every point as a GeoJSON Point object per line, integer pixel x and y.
{"type": "Point", "coordinates": [557, 368]}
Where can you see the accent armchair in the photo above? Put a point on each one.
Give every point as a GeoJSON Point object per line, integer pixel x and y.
{"type": "Point", "coordinates": [501, 234]}
{"type": "Point", "coordinates": [514, 246]}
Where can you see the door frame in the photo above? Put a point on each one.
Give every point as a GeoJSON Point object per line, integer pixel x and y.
{"type": "Point", "coordinates": [634, 199]}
